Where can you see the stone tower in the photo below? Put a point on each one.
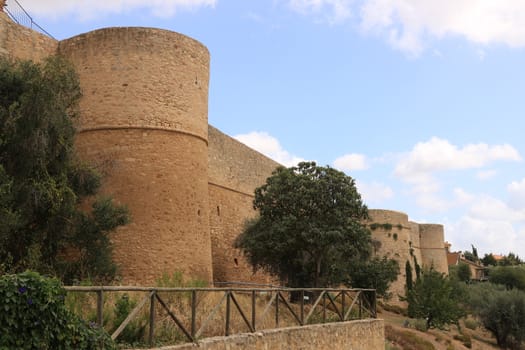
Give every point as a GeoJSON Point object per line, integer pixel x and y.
{"type": "Point", "coordinates": [144, 123]}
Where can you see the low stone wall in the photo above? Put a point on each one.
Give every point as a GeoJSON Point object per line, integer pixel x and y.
{"type": "Point", "coordinates": [352, 335]}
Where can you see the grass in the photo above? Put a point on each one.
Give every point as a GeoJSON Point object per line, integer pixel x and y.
{"type": "Point", "coordinates": [406, 340]}
{"type": "Point", "coordinates": [210, 312]}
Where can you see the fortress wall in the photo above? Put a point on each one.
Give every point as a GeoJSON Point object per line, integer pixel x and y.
{"type": "Point", "coordinates": [23, 43]}
{"type": "Point", "coordinates": [144, 123]}
{"type": "Point", "coordinates": [416, 255]}
{"type": "Point", "coordinates": [433, 247]}
{"type": "Point", "coordinates": [234, 165]}
{"type": "Point", "coordinates": [394, 243]}
{"type": "Point", "coordinates": [234, 172]}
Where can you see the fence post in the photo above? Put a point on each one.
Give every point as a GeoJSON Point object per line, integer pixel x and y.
{"type": "Point", "coordinates": [228, 302]}
{"type": "Point", "coordinates": [277, 309]}
{"type": "Point", "coordinates": [343, 294]}
{"type": "Point", "coordinates": [324, 307]}
{"type": "Point", "coordinates": [100, 308]}
{"type": "Point", "coordinates": [253, 310]}
{"type": "Point", "coordinates": [361, 295]}
{"type": "Point", "coordinates": [193, 312]}
{"type": "Point", "coordinates": [302, 307]}
{"type": "Point", "coordinates": [151, 319]}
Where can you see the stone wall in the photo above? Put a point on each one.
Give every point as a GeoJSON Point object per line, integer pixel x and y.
{"type": "Point", "coordinates": [433, 250]}
{"type": "Point", "coordinates": [144, 123]}
{"type": "Point", "coordinates": [235, 170]}
{"type": "Point", "coordinates": [23, 43]}
{"type": "Point", "coordinates": [403, 240]}
{"type": "Point", "coordinates": [393, 234]}
{"type": "Point", "coordinates": [352, 335]}
{"type": "Point", "coordinates": [189, 187]}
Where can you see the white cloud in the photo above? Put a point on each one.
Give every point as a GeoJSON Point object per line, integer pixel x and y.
{"type": "Point", "coordinates": [409, 24]}
{"type": "Point", "coordinates": [486, 174]}
{"type": "Point", "coordinates": [269, 146]}
{"type": "Point", "coordinates": [412, 25]}
{"type": "Point", "coordinates": [439, 155]}
{"type": "Point", "coordinates": [487, 235]}
{"type": "Point", "coordinates": [491, 225]}
{"type": "Point", "coordinates": [420, 166]}
{"type": "Point", "coordinates": [333, 11]}
{"type": "Point", "coordinates": [351, 162]}
{"type": "Point", "coordinates": [88, 9]}
{"type": "Point", "coordinates": [516, 190]}
{"type": "Point", "coordinates": [374, 193]}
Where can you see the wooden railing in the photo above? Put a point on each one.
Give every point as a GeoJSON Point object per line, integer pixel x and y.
{"type": "Point", "coordinates": [329, 305]}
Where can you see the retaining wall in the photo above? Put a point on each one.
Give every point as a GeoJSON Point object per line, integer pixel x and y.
{"type": "Point", "coordinates": [351, 335]}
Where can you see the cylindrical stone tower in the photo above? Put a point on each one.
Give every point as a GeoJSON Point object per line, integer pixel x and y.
{"type": "Point", "coordinates": [144, 124]}
{"type": "Point", "coordinates": [433, 251]}
{"type": "Point", "coordinates": [391, 232]}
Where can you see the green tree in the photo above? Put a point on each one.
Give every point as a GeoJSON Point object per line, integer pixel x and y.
{"type": "Point", "coordinates": [408, 275]}
{"type": "Point", "coordinates": [435, 299]}
{"type": "Point", "coordinates": [501, 311]}
{"type": "Point", "coordinates": [376, 273]}
{"type": "Point", "coordinates": [509, 276]}
{"type": "Point", "coordinates": [42, 182]}
{"type": "Point", "coordinates": [310, 229]}
{"type": "Point", "coordinates": [463, 273]}
{"type": "Point", "coordinates": [489, 260]}
{"type": "Point", "coordinates": [510, 259]}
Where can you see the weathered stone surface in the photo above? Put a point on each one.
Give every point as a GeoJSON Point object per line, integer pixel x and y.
{"type": "Point", "coordinates": [352, 335]}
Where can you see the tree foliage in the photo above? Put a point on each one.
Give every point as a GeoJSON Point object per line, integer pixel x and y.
{"type": "Point", "coordinates": [501, 311]}
{"type": "Point", "coordinates": [489, 260]}
{"type": "Point", "coordinates": [509, 276]}
{"type": "Point", "coordinates": [463, 273]}
{"type": "Point", "coordinates": [377, 273]}
{"type": "Point", "coordinates": [409, 282]}
{"type": "Point", "coordinates": [436, 299]}
{"type": "Point", "coordinates": [309, 232]}
{"type": "Point", "coordinates": [34, 316]}
{"type": "Point", "coordinates": [510, 259]}
{"type": "Point", "coordinates": [41, 180]}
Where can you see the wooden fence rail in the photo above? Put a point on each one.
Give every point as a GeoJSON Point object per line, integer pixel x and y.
{"type": "Point", "coordinates": [345, 304]}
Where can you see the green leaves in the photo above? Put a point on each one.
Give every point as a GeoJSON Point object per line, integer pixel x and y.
{"type": "Point", "coordinates": [309, 230]}
{"type": "Point", "coordinates": [434, 298]}
{"type": "Point", "coordinates": [42, 182]}
{"type": "Point", "coordinates": [34, 317]}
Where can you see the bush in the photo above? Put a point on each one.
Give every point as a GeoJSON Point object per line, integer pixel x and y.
{"type": "Point", "coordinates": [471, 324]}
{"type": "Point", "coordinates": [34, 316]}
{"type": "Point", "coordinates": [465, 339]}
{"type": "Point", "coordinates": [420, 325]}
{"type": "Point", "coordinates": [502, 312]}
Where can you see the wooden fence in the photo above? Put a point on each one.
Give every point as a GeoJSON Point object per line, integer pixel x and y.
{"type": "Point", "coordinates": [341, 304]}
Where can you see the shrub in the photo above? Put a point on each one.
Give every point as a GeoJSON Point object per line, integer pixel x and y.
{"type": "Point", "coordinates": [134, 331]}
{"type": "Point", "coordinates": [465, 339]}
{"type": "Point", "coordinates": [471, 324]}
{"type": "Point", "coordinates": [34, 316]}
{"type": "Point", "coordinates": [502, 312]}
{"type": "Point", "coordinates": [420, 325]}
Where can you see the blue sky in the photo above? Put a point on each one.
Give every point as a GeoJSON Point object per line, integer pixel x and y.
{"type": "Point", "coordinates": [421, 102]}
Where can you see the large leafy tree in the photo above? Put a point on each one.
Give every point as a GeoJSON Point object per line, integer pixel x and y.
{"type": "Point", "coordinates": [435, 298]}
{"type": "Point", "coordinates": [310, 230]}
{"type": "Point", "coordinates": [41, 180]}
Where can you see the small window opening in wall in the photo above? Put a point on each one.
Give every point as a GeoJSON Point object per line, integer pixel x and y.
{"type": "Point", "coordinates": [199, 212]}
{"type": "Point", "coordinates": [218, 211]}
{"type": "Point", "coordinates": [236, 262]}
